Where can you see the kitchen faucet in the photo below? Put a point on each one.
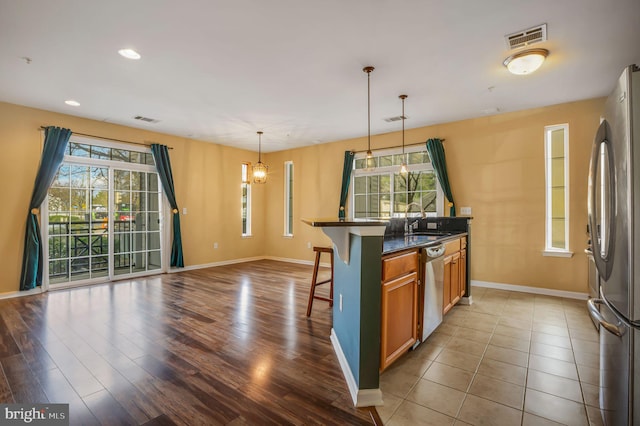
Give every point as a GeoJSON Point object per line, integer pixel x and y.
{"type": "Point", "coordinates": [408, 229]}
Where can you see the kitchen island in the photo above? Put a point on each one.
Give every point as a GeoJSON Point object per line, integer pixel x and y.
{"type": "Point", "coordinates": [359, 274]}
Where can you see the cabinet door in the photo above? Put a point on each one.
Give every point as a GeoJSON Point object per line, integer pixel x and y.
{"type": "Point", "coordinates": [463, 272]}
{"type": "Point", "coordinates": [451, 285]}
{"type": "Point", "coordinates": [446, 285]}
{"type": "Point", "coordinates": [399, 317]}
{"type": "Point", "coordinates": [455, 278]}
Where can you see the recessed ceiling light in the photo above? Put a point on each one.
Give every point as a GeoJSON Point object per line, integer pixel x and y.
{"type": "Point", "coordinates": [72, 102]}
{"type": "Point", "coordinates": [129, 53]}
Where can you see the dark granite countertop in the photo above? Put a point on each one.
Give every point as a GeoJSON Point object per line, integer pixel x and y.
{"type": "Point", "coordinates": [396, 243]}
{"type": "Point", "coordinates": [347, 222]}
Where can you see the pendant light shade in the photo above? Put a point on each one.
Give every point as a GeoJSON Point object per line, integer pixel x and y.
{"type": "Point", "coordinates": [260, 169]}
{"type": "Point", "coordinates": [370, 160]}
{"type": "Point", "coordinates": [403, 167]}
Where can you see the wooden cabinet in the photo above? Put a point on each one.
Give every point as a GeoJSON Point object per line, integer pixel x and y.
{"type": "Point", "coordinates": [399, 317]}
{"type": "Point", "coordinates": [455, 273]}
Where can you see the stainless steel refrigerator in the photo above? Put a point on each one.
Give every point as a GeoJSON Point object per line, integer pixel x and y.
{"type": "Point", "coordinates": [614, 224]}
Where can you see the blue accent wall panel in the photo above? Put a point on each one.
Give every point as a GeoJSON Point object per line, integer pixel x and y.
{"type": "Point", "coordinates": [346, 324]}
{"type": "Point", "coordinates": [358, 325]}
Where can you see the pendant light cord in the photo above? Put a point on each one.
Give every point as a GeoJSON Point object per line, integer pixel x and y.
{"type": "Point", "coordinates": [403, 118]}
{"type": "Point", "coordinates": [259, 147]}
{"type": "Point", "coordinates": [368, 71]}
{"type": "Point", "coordinates": [369, 110]}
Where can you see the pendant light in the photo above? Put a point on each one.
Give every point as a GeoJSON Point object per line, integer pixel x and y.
{"type": "Point", "coordinates": [403, 168]}
{"type": "Point", "coordinates": [370, 162]}
{"type": "Point", "coordinates": [260, 169]}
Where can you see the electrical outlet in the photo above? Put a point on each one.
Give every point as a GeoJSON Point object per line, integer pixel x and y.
{"type": "Point", "coordinates": [309, 244]}
{"type": "Point", "coordinates": [215, 245]}
{"type": "Point", "coordinates": [184, 210]}
{"type": "Point", "coordinates": [465, 211]}
{"type": "Point", "coordinates": [340, 302]}
{"type": "Point", "coordinates": [432, 225]}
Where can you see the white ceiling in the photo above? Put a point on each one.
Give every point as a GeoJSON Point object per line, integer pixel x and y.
{"type": "Point", "coordinates": [221, 70]}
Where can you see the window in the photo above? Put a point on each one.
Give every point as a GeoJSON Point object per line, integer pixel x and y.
{"type": "Point", "coordinates": [556, 144]}
{"type": "Point", "coordinates": [288, 198]}
{"type": "Point", "coordinates": [246, 201]}
{"type": "Point", "coordinates": [88, 150]}
{"type": "Point", "coordinates": [383, 192]}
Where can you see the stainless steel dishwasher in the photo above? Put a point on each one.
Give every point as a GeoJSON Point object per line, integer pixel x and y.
{"type": "Point", "coordinates": [433, 288]}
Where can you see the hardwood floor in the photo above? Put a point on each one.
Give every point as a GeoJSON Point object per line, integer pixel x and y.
{"type": "Point", "coordinates": [225, 345]}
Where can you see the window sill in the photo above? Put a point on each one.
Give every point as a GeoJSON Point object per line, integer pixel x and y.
{"type": "Point", "coordinates": [247, 236]}
{"type": "Point", "coordinates": [287, 236]}
{"type": "Point", "coordinates": [557, 253]}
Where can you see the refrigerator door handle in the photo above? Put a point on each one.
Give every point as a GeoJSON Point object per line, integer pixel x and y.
{"type": "Point", "coordinates": [602, 261]}
{"type": "Point", "coordinates": [597, 316]}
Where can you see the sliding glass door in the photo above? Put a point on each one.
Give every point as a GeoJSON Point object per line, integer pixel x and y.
{"type": "Point", "coordinates": [136, 227]}
{"type": "Point", "coordinates": [103, 217]}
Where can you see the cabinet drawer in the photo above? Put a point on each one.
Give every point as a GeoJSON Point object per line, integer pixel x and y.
{"type": "Point", "coordinates": [399, 265]}
{"type": "Point", "coordinates": [452, 247]}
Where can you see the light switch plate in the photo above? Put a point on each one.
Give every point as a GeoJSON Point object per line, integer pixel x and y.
{"type": "Point", "coordinates": [465, 210]}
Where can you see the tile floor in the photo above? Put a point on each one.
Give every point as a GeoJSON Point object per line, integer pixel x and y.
{"type": "Point", "coordinates": [508, 359]}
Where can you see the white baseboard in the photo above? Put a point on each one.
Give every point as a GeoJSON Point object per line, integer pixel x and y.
{"type": "Point", "coordinates": [213, 264]}
{"type": "Point", "coordinates": [298, 261]}
{"type": "Point", "coordinates": [534, 290]}
{"type": "Point", "coordinates": [360, 397]}
{"type": "Point", "coordinates": [244, 260]}
{"type": "Point", "coordinates": [12, 294]}
{"type": "Point", "coordinates": [288, 260]}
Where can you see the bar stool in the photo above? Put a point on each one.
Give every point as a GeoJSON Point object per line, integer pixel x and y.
{"type": "Point", "coordinates": [314, 279]}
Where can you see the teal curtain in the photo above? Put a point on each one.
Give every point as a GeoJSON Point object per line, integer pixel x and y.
{"type": "Point", "coordinates": [436, 154]}
{"type": "Point", "coordinates": [346, 178]}
{"type": "Point", "coordinates": [55, 143]}
{"type": "Point", "coordinates": [163, 165]}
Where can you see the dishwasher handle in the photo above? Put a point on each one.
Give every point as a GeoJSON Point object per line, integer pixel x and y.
{"type": "Point", "coordinates": [435, 251]}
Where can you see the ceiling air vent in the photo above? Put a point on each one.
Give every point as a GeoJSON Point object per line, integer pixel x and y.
{"type": "Point", "coordinates": [396, 118]}
{"type": "Point", "coordinates": [146, 119]}
{"type": "Point", "coordinates": [526, 37]}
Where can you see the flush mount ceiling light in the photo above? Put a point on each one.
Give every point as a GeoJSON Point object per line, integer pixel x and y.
{"type": "Point", "coordinates": [129, 53]}
{"type": "Point", "coordinates": [403, 167]}
{"type": "Point", "coordinates": [260, 169]}
{"type": "Point", "coordinates": [72, 102]}
{"type": "Point", "coordinates": [370, 159]}
{"type": "Point", "coordinates": [526, 62]}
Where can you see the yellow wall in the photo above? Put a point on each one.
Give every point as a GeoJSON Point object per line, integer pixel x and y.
{"type": "Point", "coordinates": [207, 182]}
{"type": "Point", "coordinates": [496, 166]}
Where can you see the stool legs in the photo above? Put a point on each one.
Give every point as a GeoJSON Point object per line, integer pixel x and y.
{"type": "Point", "coordinates": [331, 289]}
{"type": "Point", "coordinates": [314, 280]}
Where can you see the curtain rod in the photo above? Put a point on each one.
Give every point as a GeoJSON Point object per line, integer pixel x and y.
{"type": "Point", "coordinates": [399, 146]}
{"type": "Point", "coordinates": [108, 139]}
